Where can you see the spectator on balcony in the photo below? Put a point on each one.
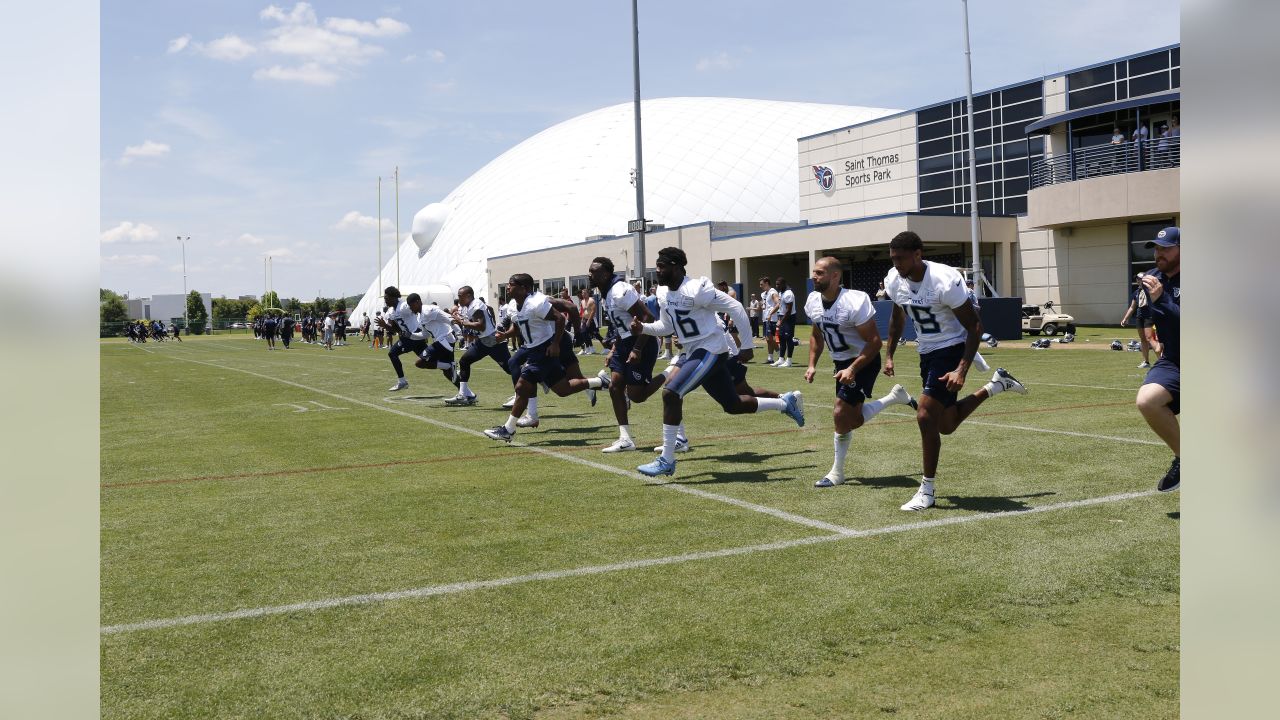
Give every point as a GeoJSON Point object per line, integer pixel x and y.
{"type": "Point", "coordinates": [1117, 136]}
{"type": "Point", "coordinates": [1175, 130]}
{"type": "Point", "coordinates": [1139, 134]}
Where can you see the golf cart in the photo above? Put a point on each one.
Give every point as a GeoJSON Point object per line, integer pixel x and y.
{"type": "Point", "coordinates": [1044, 320]}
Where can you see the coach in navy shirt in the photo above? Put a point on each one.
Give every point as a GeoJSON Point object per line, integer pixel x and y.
{"type": "Point", "coordinates": [1160, 298]}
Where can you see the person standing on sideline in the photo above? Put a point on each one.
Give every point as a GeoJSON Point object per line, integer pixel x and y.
{"type": "Point", "coordinates": [844, 322]}
{"type": "Point", "coordinates": [286, 330]}
{"type": "Point", "coordinates": [588, 331]}
{"type": "Point", "coordinates": [328, 331]}
{"type": "Point", "coordinates": [786, 323]}
{"type": "Point", "coordinates": [1161, 296]}
{"type": "Point", "coordinates": [769, 307]}
{"type": "Point", "coordinates": [689, 310]}
{"type": "Point", "coordinates": [947, 334]}
{"type": "Point", "coordinates": [753, 313]}
{"type": "Point", "coordinates": [1141, 319]}
{"type": "Point", "coordinates": [269, 331]}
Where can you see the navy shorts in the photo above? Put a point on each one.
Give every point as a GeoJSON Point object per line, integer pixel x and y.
{"type": "Point", "coordinates": [438, 353]}
{"type": "Point", "coordinates": [737, 371]}
{"type": "Point", "coordinates": [933, 366]}
{"type": "Point", "coordinates": [701, 368]}
{"type": "Point", "coordinates": [498, 351]}
{"type": "Point", "coordinates": [640, 373]}
{"type": "Point", "coordinates": [531, 363]}
{"type": "Point", "coordinates": [864, 381]}
{"type": "Point", "coordinates": [1167, 375]}
{"type": "Point", "coordinates": [402, 346]}
{"type": "Point", "coordinates": [770, 326]}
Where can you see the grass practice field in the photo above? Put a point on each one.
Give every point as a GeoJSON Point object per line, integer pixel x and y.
{"type": "Point", "coordinates": [283, 538]}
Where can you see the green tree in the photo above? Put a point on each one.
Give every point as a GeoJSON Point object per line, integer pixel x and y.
{"type": "Point", "coordinates": [197, 316]}
{"type": "Point", "coordinates": [271, 300]}
{"type": "Point", "coordinates": [255, 311]}
{"type": "Point", "coordinates": [113, 313]}
{"type": "Point", "coordinates": [322, 306]}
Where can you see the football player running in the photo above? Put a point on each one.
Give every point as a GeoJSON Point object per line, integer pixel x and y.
{"type": "Point", "coordinates": [844, 322]}
{"type": "Point", "coordinates": [689, 312]}
{"type": "Point", "coordinates": [474, 315]}
{"type": "Point", "coordinates": [947, 334]}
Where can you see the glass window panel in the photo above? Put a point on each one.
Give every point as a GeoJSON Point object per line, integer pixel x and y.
{"type": "Point", "coordinates": [986, 208]}
{"type": "Point", "coordinates": [1148, 84]}
{"type": "Point", "coordinates": [984, 174]}
{"type": "Point", "coordinates": [934, 164]}
{"type": "Point", "coordinates": [933, 114]}
{"type": "Point", "coordinates": [1177, 78]}
{"type": "Point", "coordinates": [960, 143]}
{"type": "Point", "coordinates": [1022, 111]}
{"type": "Point", "coordinates": [936, 199]}
{"type": "Point", "coordinates": [933, 131]}
{"type": "Point", "coordinates": [1014, 168]}
{"type": "Point", "coordinates": [983, 155]}
{"type": "Point", "coordinates": [1015, 186]}
{"type": "Point", "coordinates": [1175, 56]}
{"type": "Point", "coordinates": [1092, 96]}
{"type": "Point", "coordinates": [1037, 145]}
{"type": "Point", "coordinates": [982, 137]}
{"type": "Point", "coordinates": [1092, 76]}
{"type": "Point", "coordinates": [1022, 93]}
{"type": "Point", "coordinates": [981, 120]}
{"type": "Point", "coordinates": [1014, 150]}
{"type": "Point", "coordinates": [936, 181]}
{"type": "Point", "coordinates": [1015, 205]}
{"type": "Point", "coordinates": [935, 147]}
{"type": "Point", "coordinates": [986, 191]}
{"type": "Point", "coordinates": [1149, 63]}
{"type": "Point", "coordinates": [982, 102]}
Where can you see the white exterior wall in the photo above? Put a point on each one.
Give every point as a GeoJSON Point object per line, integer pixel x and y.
{"type": "Point", "coordinates": [873, 167]}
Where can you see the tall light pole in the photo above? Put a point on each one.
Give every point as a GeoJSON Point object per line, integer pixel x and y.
{"type": "Point", "coordinates": [186, 319]}
{"type": "Point", "coordinates": [639, 225]}
{"type": "Point", "coordinates": [973, 163]}
{"type": "Point", "coordinates": [398, 238]}
{"type": "Point", "coordinates": [380, 232]}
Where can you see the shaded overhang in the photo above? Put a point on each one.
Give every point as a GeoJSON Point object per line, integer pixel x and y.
{"type": "Point", "coordinates": [1043, 125]}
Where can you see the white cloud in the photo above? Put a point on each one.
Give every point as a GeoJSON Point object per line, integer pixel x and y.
{"type": "Point", "coordinates": [300, 14]}
{"type": "Point", "coordinates": [128, 232]}
{"type": "Point", "coordinates": [719, 61]}
{"type": "Point", "coordinates": [307, 73]}
{"type": "Point", "coordinates": [382, 27]}
{"type": "Point", "coordinates": [408, 58]}
{"type": "Point", "coordinates": [231, 48]}
{"type": "Point", "coordinates": [436, 55]}
{"type": "Point", "coordinates": [179, 44]}
{"type": "Point", "coordinates": [131, 260]}
{"type": "Point", "coordinates": [245, 239]}
{"type": "Point", "coordinates": [148, 149]}
{"type": "Point", "coordinates": [444, 87]}
{"type": "Point", "coordinates": [355, 221]}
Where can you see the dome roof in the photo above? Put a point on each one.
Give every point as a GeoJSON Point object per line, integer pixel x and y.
{"type": "Point", "coordinates": [706, 159]}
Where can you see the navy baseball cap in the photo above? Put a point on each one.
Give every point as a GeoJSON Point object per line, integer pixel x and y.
{"type": "Point", "coordinates": [1168, 237]}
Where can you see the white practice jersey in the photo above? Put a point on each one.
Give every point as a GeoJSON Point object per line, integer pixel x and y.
{"type": "Point", "coordinates": [437, 322]}
{"type": "Point", "coordinates": [786, 305]}
{"type": "Point", "coordinates": [531, 318]}
{"type": "Point", "coordinates": [839, 323]}
{"type": "Point", "coordinates": [930, 304]}
{"type": "Point", "coordinates": [770, 301]}
{"type": "Point", "coordinates": [690, 312]}
{"type": "Point", "coordinates": [477, 306]}
{"type": "Point", "coordinates": [405, 319]}
{"type": "Point", "coordinates": [618, 303]}
{"type": "Point", "coordinates": [734, 348]}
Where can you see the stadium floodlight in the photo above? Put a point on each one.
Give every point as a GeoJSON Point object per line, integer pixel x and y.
{"type": "Point", "coordinates": [186, 318]}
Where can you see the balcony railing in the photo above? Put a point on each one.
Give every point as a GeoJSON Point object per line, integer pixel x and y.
{"type": "Point", "coordinates": [1099, 160]}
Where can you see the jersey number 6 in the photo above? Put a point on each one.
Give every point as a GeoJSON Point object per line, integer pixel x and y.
{"type": "Point", "coordinates": [688, 328]}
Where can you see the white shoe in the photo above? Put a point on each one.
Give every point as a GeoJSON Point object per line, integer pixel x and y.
{"type": "Point", "coordinates": [1002, 377]}
{"type": "Point", "coordinates": [786, 363]}
{"type": "Point", "coordinates": [510, 403]}
{"type": "Point", "coordinates": [581, 353]}
{"type": "Point", "coordinates": [527, 422]}
{"type": "Point", "coordinates": [1144, 364]}
{"type": "Point", "coordinates": [980, 363]}
{"type": "Point", "coordinates": [620, 445]}
{"type": "Point", "coordinates": [664, 355]}
{"type": "Point", "coordinates": [919, 501]}
{"type": "Point", "coordinates": [900, 396]}
{"type": "Point", "coordinates": [829, 481]}
{"type": "Point", "coordinates": [682, 445]}
{"type": "Point", "coordinates": [402, 384]}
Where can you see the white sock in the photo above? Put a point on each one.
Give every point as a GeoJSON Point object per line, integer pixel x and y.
{"type": "Point", "coordinates": [766, 404]}
{"type": "Point", "coordinates": [595, 383]}
{"type": "Point", "coordinates": [532, 409]}
{"type": "Point", "coordinates": [510, 425]}
{"type": "Point", "coordinates": [769, 357]}
{"type": "Point", "coordinates": [669, 433]}
{"type": "Point", "coordinates": [872, 408]}
{"type": "Point", "coordinates": [680, 432]}
{"type": "Point", "coordinates": [463, 389]}
{"type": "Point", "coordinates": [668, 371]}
{"type": "Point", "coordinates": [926, 486]}
{"type": "Point", "coordinates": [842, 443]}
{"type": "Point", "coordinates": [992, 388]}
{"type": "Point", "coordinates": [624, 432]}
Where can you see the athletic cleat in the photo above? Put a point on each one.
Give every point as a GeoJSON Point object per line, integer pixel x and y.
{"type": "Point", "coordinates": [526, 421]}
{"type": "Point", "coordinates": [620, 445]}
{"type": "Point", "coordinates": [500, 433]}
{"type": "Point", "coordinates": [402, 384]}
{"type": "Point", "coordinates": [591, 395]}
{"type": "Point", "coordinates": [828, 481]}
{"type": "Point", "coordinates": [795, 407]}
{"type": "Point", "coordinates": [682, 445]}
{"type": "Point", "coordinates": [902, 397]}
{"type": "Point", "coordinates": [606, 378]}
{"type": "Point", "coordinates": [786, 363]}
{"type": "Point", "coordinates": [510, 403]}
{"type": "Point", "coordinates": [664, 355]}
{"type": "Point", "coordinates": [660, 466]}
{"type": "Point", "coordinates": [920, 501]}
{"type": "Point", "coordinates": [461, 400]}
{"type": "Point", "coordinates": [1002, 377]}
{"type": "Point", "coordinates": [1170, 481]}
{"type": "Point", "coordinates": [1144, 364]}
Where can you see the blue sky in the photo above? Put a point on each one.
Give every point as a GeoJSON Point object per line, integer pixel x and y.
{"type": "Point", "coordinates": [258, 128]}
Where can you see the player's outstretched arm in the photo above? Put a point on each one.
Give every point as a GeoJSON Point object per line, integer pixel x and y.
{"type": "Point", "coordinates": [816, 344]}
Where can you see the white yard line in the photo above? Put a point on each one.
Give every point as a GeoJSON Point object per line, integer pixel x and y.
{"type": "Point", "coordinates": [774, 512]}
{"type": "Point", "coordinates": [461, 587]}
{"type": "Point", "coordinates": [1028, 428]}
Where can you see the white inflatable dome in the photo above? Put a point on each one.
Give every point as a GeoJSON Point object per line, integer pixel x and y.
{"type": "Point", "coordinates": [717, 159]}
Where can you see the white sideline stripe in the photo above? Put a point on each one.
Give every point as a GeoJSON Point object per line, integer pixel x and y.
{"type": "Point", "coordinates": [460, 587]}
{"type": "Point", "coordinates": [1113, 438]}
{"type": "Point", "coordinates": [780, 514]}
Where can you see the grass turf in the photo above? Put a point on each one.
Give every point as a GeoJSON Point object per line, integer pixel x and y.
{"type": "Point", "coordinates": [220, 494]}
